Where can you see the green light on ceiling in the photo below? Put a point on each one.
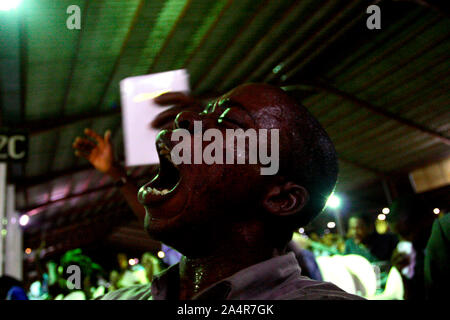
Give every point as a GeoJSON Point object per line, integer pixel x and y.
{"type": "Point", "coordinates": [7, 5]}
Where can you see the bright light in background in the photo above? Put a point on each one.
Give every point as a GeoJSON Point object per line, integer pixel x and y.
{"type": "Point", "coordinates": [131, 262]}
{"type": "Point", "coordinates": [301, 230]}
{"type": "Point", "coordinates": [386, 210]}
{"type": "Point", "coordinates": [333, 201]}
{"type": "Point", "coordinates": [331, 224]}
{"type": "Point", "coordinates": [24, 219]}
{"type": "Point", "coordinates": [4, 232]}
{"type": "Point", "coordinates": [436, 210]}
{"type": "Point", "coordinates": [28, 250]}
{"type": "Point", "coordinates": [6, 5]}
{"type": "Point", "coordinates": [161, 254]}
{"type": "Point", "coordinates": [381, 217]}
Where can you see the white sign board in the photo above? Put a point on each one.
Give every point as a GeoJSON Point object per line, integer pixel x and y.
{"type": "Point", "coordinates": [139, 110]}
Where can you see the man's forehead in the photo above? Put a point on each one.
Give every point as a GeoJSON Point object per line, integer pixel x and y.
{"type": "Point", "coordinates": [254, 97]}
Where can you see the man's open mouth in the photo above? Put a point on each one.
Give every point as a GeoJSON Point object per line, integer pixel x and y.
{"type": "Point", "coordinates": [165, 182]}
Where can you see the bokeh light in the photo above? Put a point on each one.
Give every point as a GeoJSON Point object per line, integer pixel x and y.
{"type": "Point", "coordinates": [24, 219]}
{"type": "Point", "coordinates": [333, 201]}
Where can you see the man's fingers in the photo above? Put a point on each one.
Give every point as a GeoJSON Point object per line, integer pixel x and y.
{"type": "Point", "coordinates": [84, 144]}
{"type": "Point", "coordinates": [174, 98]}
{"type": "Point", "coordinates": [166, 117]}
{"type": "Point", "coordinates": [84, 149]}
{"type": "Point", "coordinates": [91, 133]}
{"type": "Point", "coordinates": [83, 141]}
{"type": "Point", "coordinates": [167, 126]}
{"type": "Point", "coordinates": [78, 153]}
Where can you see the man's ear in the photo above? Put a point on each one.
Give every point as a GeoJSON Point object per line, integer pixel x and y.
{"type": "Point", "coordinates": [285, 199]}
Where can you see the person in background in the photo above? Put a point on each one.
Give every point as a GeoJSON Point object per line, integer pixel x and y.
{"type": "Point", "coordinates": [334, 241]}
{"type": "Point", "coordinates": [90, 272]}
{"type": "Point", "coordinates": [411, 218]}
{"type": "Point", "coordinates": [305, 258]}
{"type": "Point", "coordinates": [437, 260]}
{"type": "Point", "coordinates": [122, 262]}
{"type": "Point", "coordinates": [11, 289]}
{"type": "Point", "coordinates": [151, 265]}
{"type": "Point", "coordinates": [114, 277]}
{"type": "Point", "coordinates": [128, 275]}
{"type": "Point", "coordinates": [363, 240]}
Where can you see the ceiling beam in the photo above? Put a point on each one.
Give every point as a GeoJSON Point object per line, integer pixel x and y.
{"type": "Point", "coordinates": [318, 41]}
{"type": "Point", "coordinates": [35, 127]}
{"type": "Point", "coordinates": [75, 195]}
{"type": "Point", "coordinates": [214, 62]}
{"type": "Point", "coordinates": [26, 182]}
{"type": "Point", "coordinates": [235, 75]}
{"type": "Point", "coordinates": [208, 32]}
{"type": "Point", "coordinates": [354, 163]}
{"type": "Point", "coordinates": [170, 35]}
{"type": "Point", "coordinates": [366, 105]}
{"type": "Point", "coordinates": [123, 50]}
{"type": "Point", "coordinates": [85, 232]}
{"type": "Point", "coordinates": [148, 171]}
{"type": "Point", "coordinates": [438, 6]}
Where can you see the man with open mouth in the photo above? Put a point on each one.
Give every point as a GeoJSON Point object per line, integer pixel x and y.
{"type": "Point", "coordinates": [231, 223]}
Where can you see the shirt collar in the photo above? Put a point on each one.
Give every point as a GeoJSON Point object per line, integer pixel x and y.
{"type": "Point", "coordinates": [263, 277]}
{"type": "Point", "coordinates": [249, 283]}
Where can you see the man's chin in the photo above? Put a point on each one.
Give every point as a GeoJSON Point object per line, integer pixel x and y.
{"type": "Point", "coordinates": [160, 228]}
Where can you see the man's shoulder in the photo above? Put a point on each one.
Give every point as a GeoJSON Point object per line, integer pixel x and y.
{"type": "Point", "coordinates": [444, 226]}
{"type": "Point", "coordinates": [136, 292]}
{"type": "Point", "coordinates": [308, 289]}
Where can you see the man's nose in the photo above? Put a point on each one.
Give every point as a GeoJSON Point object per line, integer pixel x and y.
{"type": "Point", "coordinates": [185, 120]}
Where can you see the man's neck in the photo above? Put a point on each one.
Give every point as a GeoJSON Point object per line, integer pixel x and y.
{"type": "Point", "coordinates": [229, 257]}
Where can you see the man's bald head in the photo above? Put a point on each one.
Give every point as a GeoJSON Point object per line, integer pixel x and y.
{"type": "Point", "coordinates": [307, 155]}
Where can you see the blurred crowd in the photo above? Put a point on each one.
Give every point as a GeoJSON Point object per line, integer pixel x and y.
{"type": "Point", "coordinates": [88, 280]}
{"type": "Point", "coordinates": [407, 255]}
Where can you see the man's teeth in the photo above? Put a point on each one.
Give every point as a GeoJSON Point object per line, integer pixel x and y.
{"type": "Point", "coordinates": [163, 152]}
{"type": "Point", "coordinates": [157, 192]}
{"type": "Point", "coordinates": [163, 149]}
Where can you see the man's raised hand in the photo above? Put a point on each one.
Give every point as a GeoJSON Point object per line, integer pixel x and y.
{"type": "Point", "coordinates": [98, 150]}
